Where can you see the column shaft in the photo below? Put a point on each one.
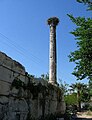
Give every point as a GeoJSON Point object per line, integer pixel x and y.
{"type": "Point", "coordinates": [52, 57]}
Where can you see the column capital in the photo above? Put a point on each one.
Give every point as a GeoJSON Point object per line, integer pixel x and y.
{"type": "Point", "coordinates": [53, 21]}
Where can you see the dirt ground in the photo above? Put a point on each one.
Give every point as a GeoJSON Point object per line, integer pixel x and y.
{"type": "Point", "coordinates": [87, 114]}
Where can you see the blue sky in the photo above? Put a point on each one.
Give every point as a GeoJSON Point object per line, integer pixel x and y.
{"type": "Point", "coordinates": [24, 33]}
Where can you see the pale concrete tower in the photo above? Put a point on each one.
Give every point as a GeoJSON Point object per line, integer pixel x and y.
{"type": "Point", "coordinates": [53, 22]}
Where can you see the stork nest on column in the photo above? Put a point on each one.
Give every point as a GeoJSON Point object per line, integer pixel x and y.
{"type": "Point", "coordinates": [53, 20]}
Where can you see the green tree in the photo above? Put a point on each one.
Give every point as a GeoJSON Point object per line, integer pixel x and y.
{"type": "Point", "coordinates": [80, 89]}
{"type": "Point", "coordinates": [71, 99]}
{"type": "Point", "coordinates": [83, 55]}
{"type": "Point", "coordinates": [87, 2]}
{"type": "Point", "coordinates": [45, 76]}
{"type": "Point", "coordinates": [64, 87]}
{"type": "Point", "coordinates": [90, 88]}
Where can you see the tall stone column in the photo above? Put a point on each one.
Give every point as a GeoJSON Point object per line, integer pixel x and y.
{"type": "Point", "coordinates": [53, 22]}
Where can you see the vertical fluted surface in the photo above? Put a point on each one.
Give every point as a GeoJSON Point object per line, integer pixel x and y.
{"type": "Point", "coordinates": [52, 55]}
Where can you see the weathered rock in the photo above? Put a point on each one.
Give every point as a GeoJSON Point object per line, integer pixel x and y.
{"type": "Point", "coordinates": [21, 97]}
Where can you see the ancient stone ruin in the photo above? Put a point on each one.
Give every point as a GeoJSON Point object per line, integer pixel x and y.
{"type": "Point", "coordinates": [23, 97]}
{"type": "Point", "coordinates": [53, 22]}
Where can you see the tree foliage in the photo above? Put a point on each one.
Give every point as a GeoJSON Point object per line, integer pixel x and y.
{"type": "Point", "coordinates": [90, 88]}
{"type": "Point", "coordinates": [71, 99]}
{"type": "Point", "coordinates": [83, 55]}
{"type": "Point", "coordinates": [87, 2]}
{"type": "Point", "coordinates": [45, 76]}
{"type": "Point", "coordinates": [83, 36]}
{"type": "Point", "coordinates": [63, 86]}
{"type": "Point", "coordinates": [82, 93]}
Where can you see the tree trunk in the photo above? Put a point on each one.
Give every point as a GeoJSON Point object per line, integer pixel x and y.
{"type": "Point", "coordinates": [79, 101]}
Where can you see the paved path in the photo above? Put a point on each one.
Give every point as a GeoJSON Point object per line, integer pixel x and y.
{"type": "Point", "coordinates": [81, 119]}
{"type": "Point", "coordinates": [75, 118]}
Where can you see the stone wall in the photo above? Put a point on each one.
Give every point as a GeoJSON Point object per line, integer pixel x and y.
{"type": "Point", "coordinates": [23, 97]}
